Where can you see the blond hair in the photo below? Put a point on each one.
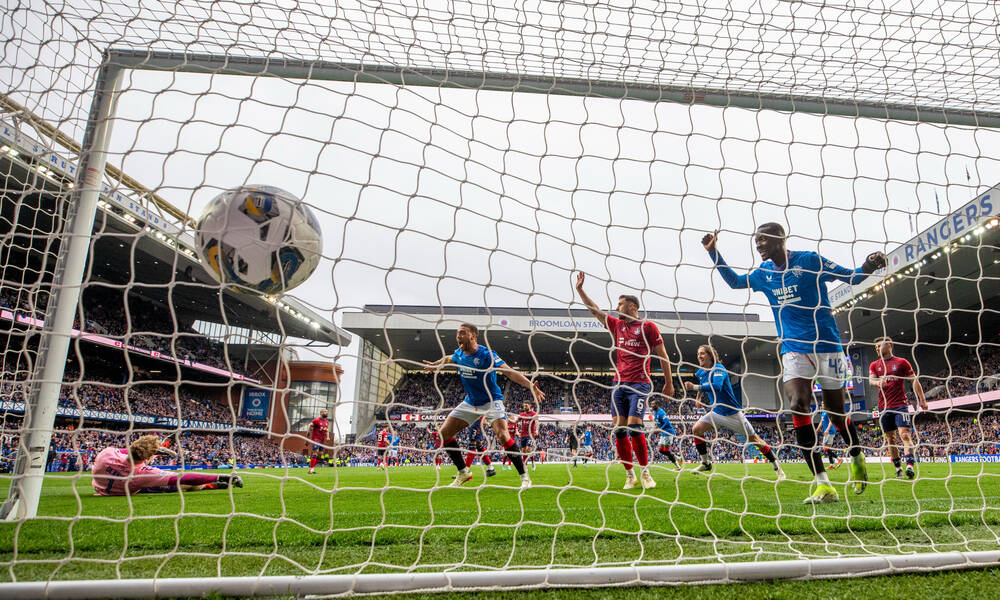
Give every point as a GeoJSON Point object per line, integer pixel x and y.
{"type": "Point", "coordinates": [144, 448]}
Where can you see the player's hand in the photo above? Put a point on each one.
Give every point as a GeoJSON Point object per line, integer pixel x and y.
{"type": "Point", "coordinates": [579, 280]}
{"type": "Point", "coordinates": [537, 391]}
{"type": "Point", "coordinates": [668, 389]}
{"type": "Point", "coordinates": [430, 365]}
{"type": "Point", "coordinates": [874, 262]}
{"type": "Point", "coordinates": [923, 405]}
{"type": "Point", "coordinates": [709, 240]}
{"type": "Point", "coordinates": [690, 386]}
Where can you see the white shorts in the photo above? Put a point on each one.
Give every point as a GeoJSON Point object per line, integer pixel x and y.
{"type": "Point", "coordinates": [393, 452]}
{"type": "Point", "coordinates": [489, 412]}
{"type": "Point", "coordinates": [736, 423]}
{"type": "Point", "coordinates": [586, 449]}
{"type": "Point", "coordinates": [666, 440]}
{"type": "Point", "coordinates": [828, 369]}
{"type": "Point", "coordinates": [829, 438]}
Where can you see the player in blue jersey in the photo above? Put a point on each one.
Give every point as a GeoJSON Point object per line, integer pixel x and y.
{"type": "Point", "coordinates": [726, 410]}
{"type": "Point", "coordinates": [587, 445]}
{"type": "Point", "coordinates": [667, 433]}
{"type": "Point", "coordinates": [829, 433]}
{"type": "Point", "coordinates": [478, 367]}
{"type": "Point", "coordinates": [795, 286]}
{"type": "Point", "coordinates": [394, 449]}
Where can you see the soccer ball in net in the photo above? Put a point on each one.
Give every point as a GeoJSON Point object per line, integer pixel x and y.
{"type": "Point", "coordinates": [259, 237]}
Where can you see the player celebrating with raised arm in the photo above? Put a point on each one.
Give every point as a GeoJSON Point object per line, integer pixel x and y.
{"type": "Point", "coordinates": [726, 410]}
{"type": "Point", "coordinates": [478, 367]}
{"type": "Point", "coordinates": [126, 471]}
{"type": "Point", "coordinates": [795, 286]}
{"type": "Point", "coordinates": [319, 433]}
{"type": "Point", "coordinates": [889, 373]}
{"type": "Point", "coordinates": [635, 341]}
{"type": "Point", "coordinates": [587, 445]}
{"type": "Point", "coordinates": [667, 433]}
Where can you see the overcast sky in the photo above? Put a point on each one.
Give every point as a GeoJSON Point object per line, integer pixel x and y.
{"type": "Point", "coordinates": [431, 196]}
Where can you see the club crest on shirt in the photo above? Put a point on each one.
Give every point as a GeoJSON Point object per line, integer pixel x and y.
{"type": "Point", "coordinates": [637, 331]}
{"type": "Point", "coordinates": [477, 361]}
{"type": "Point", "coordinates": [796, 271]}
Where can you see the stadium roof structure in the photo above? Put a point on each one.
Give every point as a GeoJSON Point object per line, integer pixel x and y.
{"type": "Point", "coordinates": [939, 288]}
{"type": "Point", "coordinates": [551, 338]}
{"type": "Point", "coordinates": [138, 242]}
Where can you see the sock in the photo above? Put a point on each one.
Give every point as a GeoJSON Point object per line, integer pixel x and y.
{"type": "Point", "coordinates": [312, 462]}
{"type": "Point", "coordinates": [487, 460]}
{"type": "Point", "coordinates": [823, 478]}
{"type": "Point", "coordinates": [805, 437]}
{"type": "Point", "coordinates": [451, 448]}
{"type": "Point", "coordinates": [624, 447]}
{"type": "Point", "coordinates": [702, 447]}
{"type": "Point", "coordinates": [895, 462]}
{"type": "Point", "coordinates": [670, 455]}
{"type": "Point", "coordinates": [469, 459]}
{"type": "Point", "coordinates": [639, 447]}
{"type": "Point", "coordinates": [767, 452]}
{"type": "Point", "coordinates": [195, 479]}
{"type": "Point", "coordinates": [514, 455]}
{"type": "Point", "coordinates": [850, 435]}
{"type": "Point", "coordinates": [830, 456]}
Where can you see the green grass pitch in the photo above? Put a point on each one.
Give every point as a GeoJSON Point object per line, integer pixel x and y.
{"type": "Point", "coordinates": [353, 520]}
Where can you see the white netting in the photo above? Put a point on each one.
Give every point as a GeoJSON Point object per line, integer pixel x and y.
{"type": "Point", "coordinates": [440, 206]}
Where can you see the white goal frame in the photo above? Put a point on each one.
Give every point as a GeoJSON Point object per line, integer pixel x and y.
{"type": "Point", "coordinates": [25, 491]}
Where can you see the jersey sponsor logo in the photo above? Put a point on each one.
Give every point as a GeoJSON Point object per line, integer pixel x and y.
{"type": "Point", "coordinates": [787, 294]}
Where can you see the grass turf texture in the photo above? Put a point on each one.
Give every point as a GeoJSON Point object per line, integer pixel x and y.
{"type": "Point", "coordinates": [366, 520]}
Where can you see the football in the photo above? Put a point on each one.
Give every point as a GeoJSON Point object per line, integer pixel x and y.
{"type": "Point", "coordinates": [259, 237]}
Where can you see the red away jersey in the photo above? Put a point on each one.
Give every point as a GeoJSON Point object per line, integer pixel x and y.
{"type": "Point", "coordinates": [318, 429]}
{"type": "Point", "coordinates": [891, 394]}
{"type": "Point", "coordinates": [634, 343]}
{"type": "Point", "coordinates": [383, 438]}
{"type": "Point", "coordinates": [528, 424]}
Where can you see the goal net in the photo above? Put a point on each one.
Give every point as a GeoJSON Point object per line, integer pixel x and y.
{"type": "Point", "coordinates": [464, 165]}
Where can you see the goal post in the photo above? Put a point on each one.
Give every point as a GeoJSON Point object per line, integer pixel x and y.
{"type": "Point", "coordinates": [26, 483]}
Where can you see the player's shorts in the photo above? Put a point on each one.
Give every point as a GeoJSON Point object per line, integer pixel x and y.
{"type": "Point", "coordinates": [394, 452]}
{"type": "Point", "coordinates": [828, 369]}
{"type": "Point", "coordinates": [574, 446]}
{"type": "Point", "coordinates": [586, 449]}
{"type": "Point", "coordinates": [317, 446]}
{"type": "Point", "coordinates": [892, 419]}
{"type": "Point", "coordinates": [737, 423]}
{"type": "Point", "coordinates": [490, 412]}
{"type": "Point", "coordinates": [477, 446]}
{"type": "Point", "coordinates": [829, 439]}
{"type": "Point", "coordinates": [380, 450]}
{"type": "Point", "coordinates": [526, 442]}
{"type": "Point", "coordinates": [666, 440]}
{"type": "Point", "coordinates": [629, 399]}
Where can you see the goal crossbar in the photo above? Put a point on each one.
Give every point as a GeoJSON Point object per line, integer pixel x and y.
{"type": "Point", "coordinates": [540, 84]}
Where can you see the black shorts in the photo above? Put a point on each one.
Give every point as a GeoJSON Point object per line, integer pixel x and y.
{"type": "Point", "coordinates": [527, 442]}
{"type": "Point", "coordinates": [574, 445]}
{"type": "Point", "coordinates": [381, 450]}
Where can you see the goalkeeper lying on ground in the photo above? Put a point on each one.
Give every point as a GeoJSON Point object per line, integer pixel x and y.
{"type": "Point", "coordinates": [123, 471]}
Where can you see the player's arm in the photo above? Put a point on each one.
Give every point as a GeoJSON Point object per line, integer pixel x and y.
{"type": "Point", "coordinates": [518, 378]}
{"type": "Point", "coordinates": [668, 378]}
{"type": "Point", "coordinates": [430, 365]}
{"type": "Point", "coordinates": [737, 282]}
{"type": "Point", "coordinates": [831, 271]}
{"type": "Point", "coordinates": [918, 388]}
{"type": "Point", "coordinates": [874, 379]}
{"type": "Point", "coordinates": [595, 310]}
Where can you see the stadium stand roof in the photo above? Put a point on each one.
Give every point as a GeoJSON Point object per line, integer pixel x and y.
{"type": "Point", "coordinates": [939, 289]}
{"type": "Point", "coordinates": [552, 338]}
{"type": "Point", "coordinates": [137, 241]}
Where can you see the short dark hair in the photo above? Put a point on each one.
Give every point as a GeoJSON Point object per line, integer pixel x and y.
{"type": "Point", "coordinates": [884, 338]}
{"type": "Point", "coordinates": [772, 228]}
{"type": "Point", "coordinates": [472, 328]}
{"type": "Point", "coordinates": [630, 298]}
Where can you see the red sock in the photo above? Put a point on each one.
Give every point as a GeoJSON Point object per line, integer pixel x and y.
{"type": "Point", "coordinates": [624, 447]}
{"type": "Point", "coordinates": [639, 449]}
{"type": "Point", "coordinates": [764, 448]}
{"type": "Point", "coordinates": [469, 459]}
{"type": "Point", "coordinates": [487, 460]}
{"type": "Point", "coordinates": [801, 420]}
{"type": "Point", "coordinates": [312, 462]}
